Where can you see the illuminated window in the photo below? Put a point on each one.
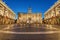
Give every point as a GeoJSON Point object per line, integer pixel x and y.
{"type": "Point", "coordinates": [1, 12]}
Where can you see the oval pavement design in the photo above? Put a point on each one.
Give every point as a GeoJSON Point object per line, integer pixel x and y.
{"type": "Point", "coordinates": [47, 32]}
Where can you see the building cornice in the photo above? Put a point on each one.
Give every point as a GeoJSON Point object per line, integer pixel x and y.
{"type": "Point", "coordinates": [56, 3]}
{"type": "Point", "coordinates": [7, 7]}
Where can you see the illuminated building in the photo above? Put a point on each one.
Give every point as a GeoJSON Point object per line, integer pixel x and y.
{"type": "Point", "coordinates": [52, 15]}
{"type": "Point", "coordinates": [7, 16]}
{"type": "Point", "coordinates": [29, 17]}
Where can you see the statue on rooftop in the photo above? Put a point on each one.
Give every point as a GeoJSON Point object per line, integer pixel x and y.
{"type": "Point", "coordinates": [58, 0]}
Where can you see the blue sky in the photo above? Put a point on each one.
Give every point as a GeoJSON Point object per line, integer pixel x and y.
{"type": "Point", "coordinates": [36, 5]}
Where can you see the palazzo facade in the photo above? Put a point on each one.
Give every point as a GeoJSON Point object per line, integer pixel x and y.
{"type": "Point", "coordinates": [52, 15]}
{"type": "Point", "coordinates": [7, 16]}
{"type": "Point", "coordinates": [29, 17]}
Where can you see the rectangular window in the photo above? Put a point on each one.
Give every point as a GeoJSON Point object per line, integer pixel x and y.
{"type": "Point", "coordinates": [59, 12]}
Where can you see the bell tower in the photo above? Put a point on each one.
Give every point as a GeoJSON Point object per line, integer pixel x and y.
{"type": "Point", "coordinates": [29, 10]}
